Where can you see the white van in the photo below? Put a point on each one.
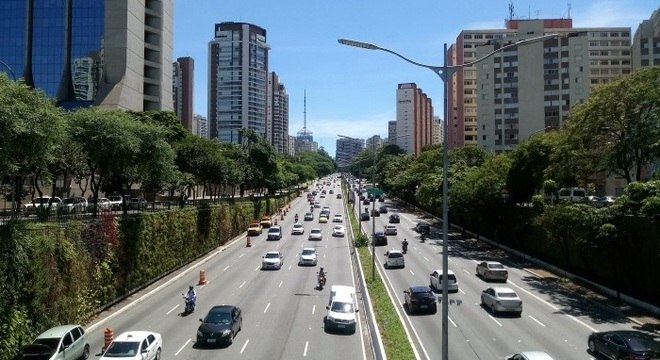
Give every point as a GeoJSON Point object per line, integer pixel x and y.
{"type": "Point", "coordinates": [572, 194]}
{"type": "Point", "coordinates": [342, 309]}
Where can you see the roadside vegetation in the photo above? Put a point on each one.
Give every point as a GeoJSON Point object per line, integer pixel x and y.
{"type": "Point", "coordinates": [389, 324]}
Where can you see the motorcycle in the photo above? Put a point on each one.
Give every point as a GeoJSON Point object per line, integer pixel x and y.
{"type": "Point", "coordinates": [423, 236]}
{"type": "Point", "coordinates": [189, 304]}
{"type": "Point", "coordinates": [296, 218]}
{"type": "Point", "coordinates": [404, 247]}
{"type": "Point", "coordinates": [321, 281]}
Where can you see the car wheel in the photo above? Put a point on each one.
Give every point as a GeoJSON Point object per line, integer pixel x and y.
{"type": "Point", "coordinates": [231, 338]}
{"type": "Point", "coordinates": [492, 309]}
{"type": "Point", "coordinates": [592, 347]}
{"type": "Point", "coordinates": [85, 354]}
{"type": "Point", "coordinates": [157, 357]}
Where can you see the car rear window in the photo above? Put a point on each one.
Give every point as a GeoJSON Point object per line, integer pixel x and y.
{"type": "Point", "coordinates": [395, 255]}
{"type": "Point", "coordinates": [506, 294]}
{"type": "Point", "coordinates": [495, 266]}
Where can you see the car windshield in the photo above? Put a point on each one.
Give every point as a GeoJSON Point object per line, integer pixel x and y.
{"type": "Point", "coordinates": [395, 255]}
{"type": "Point", "coordinates": [316, 231]}
{"type": "Point", "coordinates": [421, 294]}
{"type": "Point", "coordinates": [643, 343]}
{"type": "Point", "coordinates": [506, 294]}
{"type": "Point", "coordinates": [274, 230]}
{"type": "Point", "coordinates": [308, 252]}
{"type": "Point", "coordinates": [218, 318]}
{"type": "Point", "coordinates": [68, 201]}
{"type": "Point", "coordinates": [342, 307]}
{"type": "Point", "coordinates": [122, 349]}
{"type": "Point", "coordinates": [272, 255]}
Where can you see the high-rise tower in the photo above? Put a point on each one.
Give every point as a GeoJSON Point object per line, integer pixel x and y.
{"type": "Point", "coordinates": [238, 81]}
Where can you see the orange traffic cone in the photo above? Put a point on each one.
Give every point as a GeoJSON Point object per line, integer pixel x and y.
{"type": "Point", "coordinates": [248, 244]}
{"type": "Point", "coordinates": [202, 277]}
{"type": "Point", "coordinates": [108, 335]}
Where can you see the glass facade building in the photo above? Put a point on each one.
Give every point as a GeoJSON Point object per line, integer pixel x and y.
{"type": "Point", "coordinates": [58, 46]}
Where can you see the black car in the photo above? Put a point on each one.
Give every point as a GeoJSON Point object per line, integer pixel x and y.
{"type": "Point", "coordinates": [375, 213]}
{"type": "Point", "coordinates": [379, 239]}
{"type": "Point", "coordinates": [383, 210]}
{"type": "Point", "coordinates": [394, 219]}
{"type": "Point", "coordinates": [627, 344]}
{"type": "Point", "coordinates": [364, 216]}
{"type": "Point", "coordinates": [220, 325]}
{"type": "Point", "coordinates": [420, 298]}
{"type": "Point", "coordinates": [423, 228]}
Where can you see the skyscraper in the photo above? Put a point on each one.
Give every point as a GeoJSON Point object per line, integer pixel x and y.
{"type": "Point", "coordinates": [238, 81]}
{"type": "Point", "coordinates": [182, 91]}
{"type": "Point", "coordinates": [91, 52]}
{"type": "Point", "coordinates": [277, 124]}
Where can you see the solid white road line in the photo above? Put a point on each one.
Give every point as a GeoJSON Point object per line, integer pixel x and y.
{"type": "Point", "coordinates": [461, 291]}
{"type": "Point", "coordinates": [425, 258]}
{"type": "Point", "coordinates": [182, 346]}
{"type": "Point", "coordinates": [266, 309]}
{"type": "Point", "coordinates": [241, 255]}
{"type": "Point", "coordinates": [280, 285]}
{"type": "Point", "coordinates": [306, 346]}
{"type": "Point", "coordinates": [313, 309]}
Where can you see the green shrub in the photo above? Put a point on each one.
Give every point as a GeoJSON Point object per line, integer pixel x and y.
{"type": "Point", "coordinates": [361, 240]}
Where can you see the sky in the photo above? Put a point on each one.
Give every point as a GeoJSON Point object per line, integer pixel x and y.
{"type": "Point", "coordinates": [352, 91]}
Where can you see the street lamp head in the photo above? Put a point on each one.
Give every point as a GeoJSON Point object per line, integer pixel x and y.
{"type": "Point", "coordinates": [360, 44]}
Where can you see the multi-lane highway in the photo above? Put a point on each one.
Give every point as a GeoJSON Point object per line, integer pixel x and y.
{"type": "Point", "coordinates": [554, 320]}
{"type": "Point", "coordinates": [282, 309]}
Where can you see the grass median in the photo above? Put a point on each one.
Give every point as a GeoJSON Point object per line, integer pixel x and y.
{"type": "Point", "coordinates": [390, 327]}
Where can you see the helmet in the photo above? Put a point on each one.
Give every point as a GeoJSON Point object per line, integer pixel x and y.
{"type": "Point", "coordinates": [190, 287]}
{"type": "Point", "coordinates": [321, 269]}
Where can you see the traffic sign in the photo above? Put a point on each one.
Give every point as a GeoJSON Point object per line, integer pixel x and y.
{"type": "Point", "coordinates": [375, 191]}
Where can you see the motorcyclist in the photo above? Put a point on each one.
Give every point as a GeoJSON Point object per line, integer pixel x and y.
{"type": "Point", "coordinates": [423, 236]}
{"type": "Point", "coordinates": [296, 218]}
{"type": "Point", "coordinates": [404, 245]}
{"type": "Point", "coordinates": [321, 278]}
{"type": "Point", "coordinates": [191, 298]}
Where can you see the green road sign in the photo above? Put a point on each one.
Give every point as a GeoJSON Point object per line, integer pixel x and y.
{"type": "Point", "coordinates": [375, 191]}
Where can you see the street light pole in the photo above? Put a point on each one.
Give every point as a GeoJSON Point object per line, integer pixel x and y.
{"type": "Point", "coordinates": [373, 210]}
{"type": "Point", "coordinates": [445, 73]}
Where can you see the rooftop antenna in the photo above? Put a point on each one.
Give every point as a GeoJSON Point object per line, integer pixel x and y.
{"type": "Point", "coordinates": [568, 6]}
{"type": "Point", "coordinates": [305, 109]}
{"type": "Point", "coordinates": [511, 11]}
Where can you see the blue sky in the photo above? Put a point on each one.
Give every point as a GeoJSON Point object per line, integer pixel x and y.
{"type": "Point", "coordinates": [352, 91]}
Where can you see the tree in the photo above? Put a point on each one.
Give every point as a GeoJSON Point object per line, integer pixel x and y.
{"type": "Point", "coordinates": [618, 127]}
{"type": "Point", "coordinates": [528, 163]}
{"type": "Point", "coordinates": [31, 129]}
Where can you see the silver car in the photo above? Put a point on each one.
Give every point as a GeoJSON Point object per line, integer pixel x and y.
{"type": "Point", "coordinates": [308, 256]}
{"type": "Point", "coordinates": [59, 343]}
{"type": "Point", "coordinates": [315, 234]}
{"type": "Point", "coordinates": [435, 279]}
{"type": "Point", "coordinates": [492, 270]}
{"type": "Point", "coordinates": [501, 299]}
{"type": "Point", "coordinates": [272, 260]}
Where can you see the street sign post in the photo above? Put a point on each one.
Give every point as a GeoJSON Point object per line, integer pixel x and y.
{"type": "Point", "coordinates": [375, 192]}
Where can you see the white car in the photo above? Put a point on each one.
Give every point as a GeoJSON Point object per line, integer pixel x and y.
{"type": "Point", "coordinates": [337, 218]}
{"type": "Point", "coordinates": [308, 256]}
{"type": "Point", "coordinates": [501, 299]}
{"type": "Point", "coordinates": [394, 258]}
{"type": "Point", "coordinates": [315, 234]}
{"type": "Point", "coordinates": [142, 345]}
{"type": "Point", "coordinates": [436, 280]}
{"type": "Point", "coordinates": [297, 229]}
{"type": "Point", "coordinates": [338, 230]}
{"type": "Point", "coordinates": [390, 229]}
{"type": "Point", "coordinates": [272, 260]}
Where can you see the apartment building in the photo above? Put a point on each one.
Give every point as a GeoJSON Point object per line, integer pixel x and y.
{"type": "Point", "coordinates": [237, 81]}
{"type": "Point", "coordinates": [526, 89]}
{"type": "Point", "coordinates": [277, 114]}
{"type": "Point", "coordinates": [414, 117]}
{"type": "Point", "coordinates": [182, 92]}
